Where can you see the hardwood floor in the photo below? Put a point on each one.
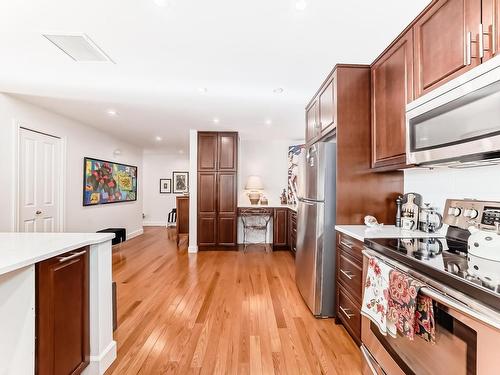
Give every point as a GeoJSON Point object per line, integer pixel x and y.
{"type": "Point", "coordinates": [218, 313]}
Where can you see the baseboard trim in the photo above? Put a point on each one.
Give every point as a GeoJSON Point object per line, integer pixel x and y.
{"type": "Point", "coordinates": [135, 233]}
{"type": "Point", "coordinates": [192, 249]}
{"type": "Point", "coordinates": [154, 224]}
{"type": "Point", "coordinates": [100, 363]}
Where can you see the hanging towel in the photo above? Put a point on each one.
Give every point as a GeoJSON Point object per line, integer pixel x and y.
{"type": "Point", "coordinates": [376, 296]}
{"type": "Point", "coordinates": [411, 312]}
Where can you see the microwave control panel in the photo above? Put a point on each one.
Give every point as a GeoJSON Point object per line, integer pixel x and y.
{"type": "Point", "coordinates": [468, 212]}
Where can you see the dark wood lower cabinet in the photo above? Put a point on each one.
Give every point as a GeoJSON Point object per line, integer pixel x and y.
{"type": "Point", "coordinates": [62, 314]}
{"type": "Point", "coordinates": [280, 227]}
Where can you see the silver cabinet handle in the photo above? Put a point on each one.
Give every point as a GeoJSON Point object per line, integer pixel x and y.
{"type": "Point", "coordinates": [72, 256]}
{"type": "Point", "coordinates": [468, 51]}
{"type": "Point", "coordinates": [493, 39]}
{"type": "Point", "coordinates": [38, 212]}
{"type": "Point", "coordinates": [481, 41]}
{"type": "Point", "coordinates": [348, 275]}
{"type": "Point", "coordinates": [346, 312]}
{"type": "Point", "coordinates": [346, 244]}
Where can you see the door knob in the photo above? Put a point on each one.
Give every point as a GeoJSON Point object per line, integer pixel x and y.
{"type": "Point", "coordinates": [38, 212]}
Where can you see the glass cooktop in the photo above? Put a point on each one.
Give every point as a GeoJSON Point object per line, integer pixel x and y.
{"type": "Point", "coordinates": [444, 260]}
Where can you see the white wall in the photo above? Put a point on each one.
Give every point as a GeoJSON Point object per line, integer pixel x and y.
{"type": "Point", "coordinates": [441, 183]}
{"type": "Point", "coordinates": [268, 159]}
{"type": "Point", "coordinates": [156, 206]}
{"type": "Point", "coordinates": [81, 140]}
{"type": "Point", "coordinates": [193, 191]}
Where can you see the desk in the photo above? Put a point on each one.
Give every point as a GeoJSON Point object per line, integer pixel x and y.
{"type": "Point", "coordinates": [284, 224]}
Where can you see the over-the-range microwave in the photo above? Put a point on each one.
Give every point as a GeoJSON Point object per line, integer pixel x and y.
{"type": "Point", "coordinates": [457, 124]}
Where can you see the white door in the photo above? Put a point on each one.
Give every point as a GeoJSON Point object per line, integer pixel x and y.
{"type": "Point", "coordinates": [39, 187]}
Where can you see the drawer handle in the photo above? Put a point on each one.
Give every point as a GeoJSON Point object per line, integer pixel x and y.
{"type": "Point", "coordinates": [349, 275]}
{"type": "Point", "coordinates": [346, 312]}
{"type": "Point", "coordinates": [346, 244]}
{"type": "Point", "coordinates": [72, 256]}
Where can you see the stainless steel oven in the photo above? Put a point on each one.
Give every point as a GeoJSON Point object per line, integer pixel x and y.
{"type": "Point", "coordinates": [467, 336]}
{"type": "Point", "coordinates": [459, 123]}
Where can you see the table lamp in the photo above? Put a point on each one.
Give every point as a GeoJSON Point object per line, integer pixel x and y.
{"type": "Point", "coordinates": [254, 186]}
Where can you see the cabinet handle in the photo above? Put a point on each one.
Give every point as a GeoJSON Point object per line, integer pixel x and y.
{"type": "Point", "coordinates": [346, 244]}
{"type": "Point", "coordinates": [348, 275]}
{"type": "Point", "coordinates": [481, 40]}
{"type": "Point", "coordinates": [346, 312]}
{"type": "Point", "coordinates": [72, 256]}
{"type": "Point", "coordinates": [468, 52]}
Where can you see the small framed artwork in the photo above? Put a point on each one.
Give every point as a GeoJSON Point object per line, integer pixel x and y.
{"type": "Point", "coordinates": [181, 182]}
{"type": "Point", "coordinates": [165, 185]}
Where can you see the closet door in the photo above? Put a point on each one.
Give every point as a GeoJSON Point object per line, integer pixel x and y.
{"type": "Point", "coordinates": [207, 208]}
{"type": "Point", "coordinates": [227, 208]}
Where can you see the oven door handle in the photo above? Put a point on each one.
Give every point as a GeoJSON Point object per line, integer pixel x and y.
{"type": "Point", "coordinates": [479, 313]}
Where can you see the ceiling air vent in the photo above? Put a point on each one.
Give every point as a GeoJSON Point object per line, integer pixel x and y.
{"type": "Point", "coordinates": [79, 47]}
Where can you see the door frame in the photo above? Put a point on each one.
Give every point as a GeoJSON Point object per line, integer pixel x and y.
{"type": "Point", "coordinates": [17, 126]}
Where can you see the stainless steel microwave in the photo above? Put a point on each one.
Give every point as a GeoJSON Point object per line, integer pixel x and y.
{"type": "Point", "coordinates": [458, 124]}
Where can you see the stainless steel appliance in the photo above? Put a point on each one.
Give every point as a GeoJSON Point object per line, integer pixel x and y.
{"type": "Point", "coordinates": [315, 257]}
{"type": "Point", "coordinates": [467, 309]}
{"type": "Point", "coordinates": [457, 124]}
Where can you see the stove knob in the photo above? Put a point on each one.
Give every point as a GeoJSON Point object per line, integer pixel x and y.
{"type": "Point", "coordinates": [471, 213]}
{"type": "Point", "coordinates": [454, 211]}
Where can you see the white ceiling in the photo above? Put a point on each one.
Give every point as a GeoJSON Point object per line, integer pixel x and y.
{"type": "Point", "coordinates": [239, 50]}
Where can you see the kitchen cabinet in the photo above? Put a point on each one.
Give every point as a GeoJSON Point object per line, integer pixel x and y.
{"type": "Point", "coordinates": [313, 126]}
{"type": "Point", "coordinates": [62, 314]}
{"type": "Point", "coordinates": [217, 188]}
{"type": "Point", "coordinates": [349, 273]}
{"type": "Point", "coordinates": [490, 28]}
{"type": "Point", "coordinates": [446, 42]}
{"type": "Point", "coordinates": [182, 225]}
{"type": "Point", "coordinates": [327, 107]}
{"type": "Point", "coordinates": [280, 227]}
{"type": "Point", "coordinates": [392, 89]}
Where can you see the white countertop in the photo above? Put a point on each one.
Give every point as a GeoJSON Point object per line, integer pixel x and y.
{"type": "Point", "coordinates": [360, 232]}
{"type": "Point", "coordinates": [18, 250]}
{"type": "Point", "coordinates": [248, 205]}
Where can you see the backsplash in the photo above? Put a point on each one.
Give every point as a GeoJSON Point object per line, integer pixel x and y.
{"type": "Point", "coordinates": [438, 184]}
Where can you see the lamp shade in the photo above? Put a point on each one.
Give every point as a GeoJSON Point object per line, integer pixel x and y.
{"type": "Point", "coordinates": [254, 183]}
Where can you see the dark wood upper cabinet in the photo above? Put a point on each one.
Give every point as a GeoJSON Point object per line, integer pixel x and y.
{"type": "Point", "coordinates": [62, 316]}
{"type": "Point", "coordinates": [446, 42]}
{"type": "Point", "coordinates": [207, 151]}
{"type": "Point", "coordinates": [392, 89]}
{"type": "Point", "coordinates": [327, 106]}
{"type": "Point", "coordinates": [491, 28]}
{"type": "Point", "coordinates": [227, 150]}
{"type": "Point", "coordinates": [280, 227]}
{"type": "Point", "coordinates": [313, 126]}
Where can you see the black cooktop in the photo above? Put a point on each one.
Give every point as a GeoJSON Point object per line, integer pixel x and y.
{"type": "Point", "coordinates": [444, 260]}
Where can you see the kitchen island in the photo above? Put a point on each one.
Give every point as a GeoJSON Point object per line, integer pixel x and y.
{"type": "Point", "coordinates": [19, 255]}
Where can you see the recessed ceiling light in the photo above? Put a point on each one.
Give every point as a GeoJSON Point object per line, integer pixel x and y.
{"type": "Point", "coordinates": [79, 47]}
{"type": "Point", "coordinates": [216, 120]}
{"type": "Point", "coordinates": [300, 4]}
{"type": "Point", "coordinates": [278, 90]}
{"type": "Point", "coordinates": [268, 122]}
{"type": "Point", "coordinates": [111, 112]}
{"type": "Point", "coordinates": [158, 138]}
{"type": "Point", "coordinates": [202, 90]}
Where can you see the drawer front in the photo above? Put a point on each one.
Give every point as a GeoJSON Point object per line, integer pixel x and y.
{"type": "Point", "coordinates": [352, 246]}
{"type": "Point", "coordinates": [350, 274]}
{"type": "Point", "coordinates": [349, 313]}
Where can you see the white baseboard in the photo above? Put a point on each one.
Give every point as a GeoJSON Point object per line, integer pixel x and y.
{"type": "Point", "coordinates": [135, 233]}
{"type": "Point", "coordinates": [154, 223]}
{"type": "Point", "coordinates": [192, 249]}
{"type": "Point", "coordinates": [99, 364]}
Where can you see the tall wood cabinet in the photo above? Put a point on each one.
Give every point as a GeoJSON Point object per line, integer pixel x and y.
{"type": "Point", "coordinates": [62, 314]}
{"type": "Point", "coordinates": [217, 188]}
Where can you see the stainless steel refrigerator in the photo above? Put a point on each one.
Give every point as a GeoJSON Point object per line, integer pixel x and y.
{"type": "Point", "coordinates": [315, 257]}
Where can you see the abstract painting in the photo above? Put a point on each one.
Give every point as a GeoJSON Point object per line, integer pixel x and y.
{"type": "Point", "coordinates": [181, 182]}
{"type": "Point", "coordinates": [295, 153]}
{"type": "Point", "coordinates": [107, 182]}
{"type": "Point", "coordinates": [165, 185]}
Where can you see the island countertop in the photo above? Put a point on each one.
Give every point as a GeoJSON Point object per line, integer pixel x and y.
{"type": "Point", "coordinates": [360, 232]}
{"type": "Point", "coordinates": [18, 250]}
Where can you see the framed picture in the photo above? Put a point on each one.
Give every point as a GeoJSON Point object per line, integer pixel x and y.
{"type": "Point", "coordinates": [165, 185]}
{"type": "Point", "coordinates": [181, 182]}
{"type": "Point", "coordinates": [108, 182]}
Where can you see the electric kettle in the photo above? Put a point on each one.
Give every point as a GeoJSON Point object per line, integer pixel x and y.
{"type": "Point", "coordinates": [429, 219]}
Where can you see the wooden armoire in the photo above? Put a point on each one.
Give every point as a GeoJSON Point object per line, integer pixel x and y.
{"type": "Point", "coordinates": [217, 189]}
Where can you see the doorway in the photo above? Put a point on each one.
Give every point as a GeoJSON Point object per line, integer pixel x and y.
{"type": "Point", "coordinates": [39, 182]}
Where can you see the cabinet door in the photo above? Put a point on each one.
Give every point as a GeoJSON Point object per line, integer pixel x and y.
{"type": "Point", "coordinates": [490, 28]}
{"type": "Point", "coordinates": [312, 121]}
{"type": "Point", "coordinates": [446, 42]}
{"type": "Point", "coordinates": [62, 316]}
{"type": "Point", "coordinates": [328, 107]}
{"type": "Point", "coordinates": [207, 151]}
{"type": "Point", "coordinates": [280, 230]}
{"type": "Point", "coordinates": [228, 151]}
{"type": "Point", "coordinates": [207, 208]}
{"type": "Point", "coordinates": [392, 89]}
{"type": "Point", "coordinates": [227, 208]}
